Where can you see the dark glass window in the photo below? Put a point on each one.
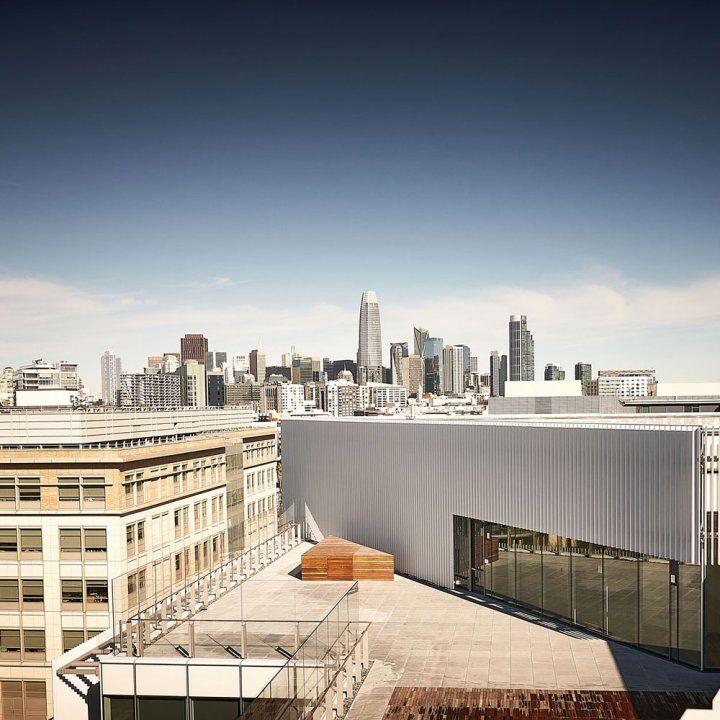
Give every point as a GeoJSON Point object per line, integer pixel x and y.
{"type": "Point", "coordinates": [655, 605]}
{"type": "Point", "coordinates": [528, 564]}
{"type": "Point", "coordinates": [502, 570]}
{"type": "Point", "coordinates": [212, 709]}
{"type": "Point", "coordinates": [119, 708]}
{"type": "Point", "coordinates": [689, 590]}
{"type": "Point", "coordinates": [556, 576]}
{"type": "Point", "coordinates": [461, 550]}
{"type": "Point", "coordinates": [587, 586]}
{"type": "Point", "coordinates": [152, 708]}
{"type": "Point", "coordinates": [620, 570]}
{"type": "Point", "coordinates": [712, 616]}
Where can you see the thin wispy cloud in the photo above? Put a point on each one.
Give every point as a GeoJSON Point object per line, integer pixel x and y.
{"type": "Point", "coordinates": [614, 323]}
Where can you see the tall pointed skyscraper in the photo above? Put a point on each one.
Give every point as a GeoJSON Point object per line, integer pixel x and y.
{"type": "Point", "coordinates": [522, 349]}
{"type": "Point", "coordinates": [369, 340]}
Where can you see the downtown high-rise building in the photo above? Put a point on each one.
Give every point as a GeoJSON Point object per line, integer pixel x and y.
{"type": "Point", "coordinates": [369, 337]}
{"type": "Point", "coordinates": [553, 372]}
{"type": "Point", "coordinates": [420, 335]}
{"type": "Point", "coordinates": [433, 365]}
{"type": "Point", "coordinates": [398, 351]}
{"type": "Point", "coordinates": [110, 369]}
{"type": "Point", "coordinates": [215, 360]}
{"type": "Point", "coordinates": [583, 373]}
{"type": "Point", "coordinates": [257, 364]}
{"type": "Point", "coordinates": [498, 373]}
{"type": "Point", "coordinates": [522, 350]}
{"type": "Point", "coordinates": [193, 346]}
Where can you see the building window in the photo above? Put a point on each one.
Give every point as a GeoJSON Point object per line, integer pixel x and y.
{"type": "Point", "coordinates": [7, 492]}
{"type": "Point", "coordinates": [9, 596]}
{"type": "Point", "coordinates": [29, 492]}
{"type": "Point", "coordinates": [130, 539]}
{"type": "Point", "coordinates": [93, 491]}
{"type": "Point", "coordinates": [72, 594]}
{"type": "Point", "coordinates": [69, 492]}
{"type": "Point", "coordinates": [31, 543]}
{"type": "Point", "coordinates": [141, 537]}
{"type": "Point", "coordinates": [72, 638]}
{"type": "Point", "coordinates": [70, 544]}
{"type": "Point", "coordinates": [34, 641]}
{"type": "Point", "coordinates": [96, 594]}
{"type": "Point", "coordinates": [10, 644]}
{"type": "Point", "coordinates": [32, 594]}
{"type": "Point", "coordinates": [95, 543]}
{"type": "Point", "coordinates": [8, 543]}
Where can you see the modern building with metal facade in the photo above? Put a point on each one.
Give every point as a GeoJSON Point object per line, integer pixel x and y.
{"type": "Point", "coordinates": [607, 522]}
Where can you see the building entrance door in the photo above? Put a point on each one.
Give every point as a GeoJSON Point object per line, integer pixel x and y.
{"type": "Point", "coordinates": [477, 556]}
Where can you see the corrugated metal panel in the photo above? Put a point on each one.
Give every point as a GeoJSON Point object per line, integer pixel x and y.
{"type": "Point", "coordinates": [395, 485]}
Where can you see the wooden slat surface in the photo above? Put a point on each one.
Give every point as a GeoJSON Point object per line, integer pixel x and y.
{"type": "Point", "coordinates": [335, 558]}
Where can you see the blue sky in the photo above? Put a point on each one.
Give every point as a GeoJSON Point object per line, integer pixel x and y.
{"type": "Point", "coordinates": [247, 169]}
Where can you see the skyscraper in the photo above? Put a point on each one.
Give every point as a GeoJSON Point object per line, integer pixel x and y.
{"type": "Point", "coordinates": [215, 360]}
{"type": "Point", "coordinates": [522, 349]}
{"type": "Point", "coordinates": [369, 339]}
{"type": "Point", "coordinates": [193, 347]}
{"type": "Point", "coordinates": [257, 365]}
{"type": "Point", "coordinates": [583, 373]}
{"type": "Point", "coordinates": [498, 374]}
{"type": "Point", "coordinates": [110, 369]}
{"type": "Point", "coordinates": [420, 335]}
{"type": "Point", "coordinates": [398, 351]}
{"type": "Point", "coordinates": [554, 372]}
{"type": "Point", "coordinates": [433, 356]}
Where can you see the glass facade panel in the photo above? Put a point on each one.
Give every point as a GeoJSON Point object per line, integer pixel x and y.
{"type": "Point", "coordinates": [461, 551]}
{"type": "Point", "coordinates": [119, 708]}
{"type": "Point", "coordinates": [528, 565]}
{"type": "Point", "coordinates": [211, 709]}
{"type": "Point", "coordinates": [556, 576]}
{"type": "Point", "coordinates": [688, 621]}
{"type": "Point", "coordinates": [587, 585]}
{"type": "Point", "coordinates": [712, 616]}
{"type": "Point", "coordinates": [640, 600]}
{"type": "Point", "coordinates": [620, 571]}
{"type": "Point", "coordinates": [152, 708]}
{"type": "Point", "coordinates": [655, 605]}
{"type": "Point", "coordinates": [501, 576]}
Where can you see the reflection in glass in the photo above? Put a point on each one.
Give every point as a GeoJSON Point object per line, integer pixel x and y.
{"type": "Point", "coordinates": [502, 570]}
{"type": "Point", "coordinates": [481, 547]}
{"type": "Point", "coordinates": [152, 708]}
{"type": "Point", "coordinates": [587, 584]}
{"type": "Point", "coordinates": [689, 614]}
{"type": "Point", "coordinates": [621, 594]}
{"type": "Point", "coordinates": [528, 564]}
{"type": "Point", "coordinates": [556, 576]}
{"type": "Point", "coordinates": [655, 605]}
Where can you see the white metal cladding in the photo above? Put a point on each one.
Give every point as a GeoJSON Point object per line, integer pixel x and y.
{"type": "Point", "coordinates": [396, 485]}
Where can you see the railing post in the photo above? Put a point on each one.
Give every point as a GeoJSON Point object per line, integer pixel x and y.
{"type": "Point", "coordinates": [129, 640]}
{"type": "Point", "coordinates": [329, 703]}
{"type": "Point", "coordinates": [297, 636]}
{"type": "Point", "coordinates": [340, 681]}
{"type": "Point", "coordinates": [243, 639]}
{"type": "Point", "coordinates": [191, 637]}
{"type": "Point", "coordinates": [365, 651]}
{"type": "Point", "coordinates": [358, 663]}
{"type": "Point", "coordinates": [349, 675]}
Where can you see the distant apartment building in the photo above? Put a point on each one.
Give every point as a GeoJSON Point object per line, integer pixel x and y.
{"type": "Point", "coordinates": [244, 393]}
{"type": "Point", "coordinates": [7, 388]}
{"type": "Point", "coordinates": [114, 508]}
{"type": "Point", "coordinates": [193, 384]}
{"type": "Point", "coordinates": [110, 370]}
{"type": "Point", "coordinates": [155, 361]}
{"type": "Point", "coordinates": [583, 373]}
{"type": "Point", "coordinates": [41, 375]}
{"type": "Point", "coordinates": [170, 362]}
{"type": "Point", "coordinates": [152, 389]}
{"type": "Point", "coordinates": [193, 346]}
{"type": "Point", "coordinates": [522, 349]}
{"type": "Point", "coordinates": [626, 383]}
{"type": "Point", "coordinates": [290, 398]}
{"type": "Point", "coordinates": [380, 395]}
{"type": "Point", "coordinates": [553, 372]}
{"type": "Point", "coordinates": [339, 398]}
{"type": "Point", "coordinates": [257, 365]}
{"type": "Point", "coordinates": [498, 374]}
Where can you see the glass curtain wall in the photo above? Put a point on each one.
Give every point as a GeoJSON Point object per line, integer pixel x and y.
{"type": "Point", "coordinates": [641, 600]}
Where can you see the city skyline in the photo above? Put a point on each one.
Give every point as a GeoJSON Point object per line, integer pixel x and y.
{"type": "Point", "coordinates": [566, 332]}
{"type": "Point", "coordinates": [568, 160]}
